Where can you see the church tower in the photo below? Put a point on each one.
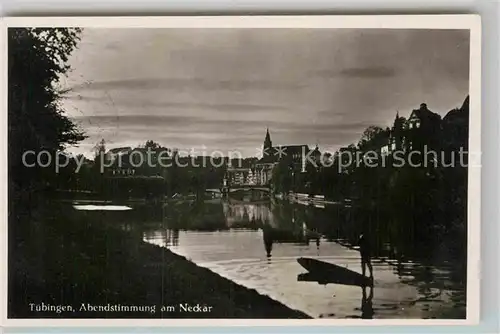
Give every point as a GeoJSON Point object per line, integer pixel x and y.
{"type": "Point", "coordinates": [397, 132]}
{"type": "Point", "coordinates": [268, 144]}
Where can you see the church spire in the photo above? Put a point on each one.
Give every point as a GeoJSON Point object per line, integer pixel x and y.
{"type": "Point", "coordinates": [398, 121]}
{"type": "Point", "coordinates": [267, 142]}
{"type": "Point", "coordinates": [397, 131]}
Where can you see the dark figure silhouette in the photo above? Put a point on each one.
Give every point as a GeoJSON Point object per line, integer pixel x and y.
{"type": "Point", "coordinates": [364, 249]}
{"type": "Point", "coordinates": [268, 240]}
{"type": "Point", "coordinates": [367, 304]}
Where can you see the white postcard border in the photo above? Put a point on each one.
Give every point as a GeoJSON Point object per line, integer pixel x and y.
{"type": "Point", "coordinates": [466, 21]}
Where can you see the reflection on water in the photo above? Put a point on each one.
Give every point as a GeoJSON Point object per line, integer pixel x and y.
{"type": "Point", "coordinates": [257, 244]}
{"type": "Point", "coordinates": [366, 304]}
{"type": "Point", "coordinates": [102, 207]}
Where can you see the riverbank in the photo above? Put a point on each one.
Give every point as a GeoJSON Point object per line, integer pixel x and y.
{"type": "Point", "coordinates": [61, 257]}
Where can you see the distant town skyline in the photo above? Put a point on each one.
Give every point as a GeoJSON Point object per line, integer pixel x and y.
{"type": "Point", "coordinates": [220, 89]}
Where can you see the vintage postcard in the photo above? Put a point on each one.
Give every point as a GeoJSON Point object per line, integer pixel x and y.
{"type": "Point", "coordinates": [241, 170]}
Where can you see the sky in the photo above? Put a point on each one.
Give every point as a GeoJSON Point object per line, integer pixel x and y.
{"type": "Point", "coordinates": [219, 89]}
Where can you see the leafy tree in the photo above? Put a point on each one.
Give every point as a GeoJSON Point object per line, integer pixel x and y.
{"type": "Point", "coordinates": [369, 135]}
{"type": "Point", "coordinates": [99, 149]}
{"type": "Point", "coordinates": [99, 152]}
{"type": "Point", "coordinates": [37, 58]}
{"type": "Point", "coordinates": [152, 145]}
{"type": "Point", "coordinates": [282, 177]}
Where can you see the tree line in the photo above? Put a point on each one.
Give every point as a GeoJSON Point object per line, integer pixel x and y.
{"type": "Point", "coordinates": [37, 59]}
{"type": "Point", "coordinates": [418, 203]}
{"type": "Point", "coordinates": [430, 200]}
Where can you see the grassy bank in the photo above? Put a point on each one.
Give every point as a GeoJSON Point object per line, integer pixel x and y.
{"type": "Point", "coordinates": [61, 257]}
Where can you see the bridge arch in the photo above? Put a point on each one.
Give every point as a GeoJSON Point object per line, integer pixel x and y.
{"type": "Point", "coordinates": [249, 188]}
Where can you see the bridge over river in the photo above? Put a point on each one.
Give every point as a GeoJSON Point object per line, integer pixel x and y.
{"type": "Point", "coordinates": [240, 187]}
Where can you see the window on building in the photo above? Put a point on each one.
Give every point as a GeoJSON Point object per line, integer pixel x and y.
{"type": "Point", "coordinates": [384, 150]}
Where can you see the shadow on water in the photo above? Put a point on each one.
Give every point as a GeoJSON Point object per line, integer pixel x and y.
{"type": "Point", "coordinates": [285, 222]}
{"type": "Point", "coordinates": [329, 273]}
{"type": "Point", "coordinates": [338, 276]}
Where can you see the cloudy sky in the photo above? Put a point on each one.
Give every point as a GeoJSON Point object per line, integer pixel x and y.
{"type": "Point", "coordinates": [219, 89]}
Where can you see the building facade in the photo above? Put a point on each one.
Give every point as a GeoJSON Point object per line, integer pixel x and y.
{"type": "Point", "coordinates": [425, 128]}
{"type": "Point", "coordinates": [295, 156]}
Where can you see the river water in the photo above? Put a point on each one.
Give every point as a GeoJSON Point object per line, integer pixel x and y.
{"type": "Point", "coordinates": [257, 244]}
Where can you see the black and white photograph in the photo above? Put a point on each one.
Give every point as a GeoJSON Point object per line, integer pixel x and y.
{"type": "Point", "coordinates": [242, 172]}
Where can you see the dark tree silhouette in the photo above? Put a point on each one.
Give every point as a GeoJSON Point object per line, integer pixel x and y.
{"type": "Point", "coordinates": [372, 133]}
{"type": "Point", "coordinates": [152, 145]}
{"type": "Point", "coordinates": [37, 58]}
